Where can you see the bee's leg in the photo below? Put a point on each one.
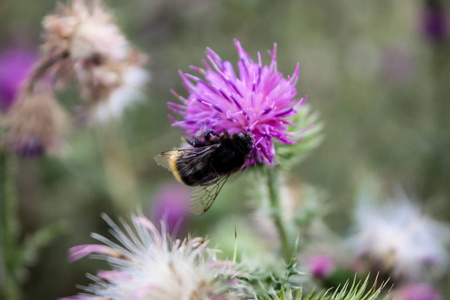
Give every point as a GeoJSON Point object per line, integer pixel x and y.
{"type": "Point", "coordinates": [208, 135]}
{"type": "Point", "coordinates": [195, 141]}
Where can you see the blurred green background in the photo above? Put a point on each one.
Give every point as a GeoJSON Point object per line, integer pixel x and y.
{"type": "Point", "coordinates": [380, 83]}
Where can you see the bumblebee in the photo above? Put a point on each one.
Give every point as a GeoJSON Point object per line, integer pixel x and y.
{"type": "Point", "coordinates": [208, 164]}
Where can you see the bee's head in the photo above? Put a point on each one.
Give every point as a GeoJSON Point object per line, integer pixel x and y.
{"type": "Point", "coordinates": [245, 140]}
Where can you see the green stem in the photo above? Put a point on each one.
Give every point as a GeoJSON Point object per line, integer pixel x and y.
{"type": "Point", "coordinates": [273, 184]}
{"type": "Point", "coordinates": [7, 227]}
{"type": "Point", "coordinates": [120, 175]}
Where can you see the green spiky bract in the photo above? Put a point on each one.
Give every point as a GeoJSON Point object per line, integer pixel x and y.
{"type": "Point", "coordinates": [355, 291]}
{"type": "Point", "coordinates": [289, 155]}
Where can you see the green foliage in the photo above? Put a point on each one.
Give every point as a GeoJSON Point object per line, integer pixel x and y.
{"type": "Point", "coordinates": [288, 284]}
{"type": "Point", "coordinates": [381, 88]}
{"type": "Point", "coordinates": [306, 119]}
{"type": "Point", "coordinates": [34, 243]}
{"type": "Point", "coordinates": [263, 281]}
{"type": "Point", "coordinates": [355, 291]}
{"type": "Point", "coordinates": [312, 206]}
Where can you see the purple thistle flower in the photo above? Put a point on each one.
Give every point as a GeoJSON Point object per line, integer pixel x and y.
{"type": "Point", "coordinates": [258, 101]}
{"type": "Point", "coordinates": [15, 65]}
{"type": "Point", "coordinates": [320, 266]}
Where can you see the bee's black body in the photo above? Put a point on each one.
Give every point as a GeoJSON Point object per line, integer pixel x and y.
{"type": "Point", "coordinates": [207, 164]}
{"type": "Point", "coordinates": [227, 156]}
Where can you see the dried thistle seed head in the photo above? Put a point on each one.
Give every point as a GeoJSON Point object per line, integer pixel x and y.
{"type": "Point", "coordinates": [35, 124]}
{"type": "Point", "coordinates": [84, 43]}
{"type": "Point", "coordinates": [111, 86]}
{"type": "Point", "coordinates": [109, 71]}
{"type": "Point", "coordinates": [84, 31]}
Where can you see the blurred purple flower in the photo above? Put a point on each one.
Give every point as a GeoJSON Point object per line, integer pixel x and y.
{"type": "Point", "coordinates": [15, 65]}
{"type": "Point", "coordinates": [259, 101]}
{"type": "Point", "coordinates": [435, 21]}
{"type": "Point", "coordinates": [417, 292]}
{"type": "Point", "coordinates": [171, 205]}
{"type": "Point", "coordinates": [320, 266]}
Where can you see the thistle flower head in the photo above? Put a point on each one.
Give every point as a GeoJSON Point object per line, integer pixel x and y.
{"type": "Point", "coordinates": [400, 237]}
{"type": "Point", "coordinates": [83, 32]}
{"type": "Point", "coordinates": [320, 266]}
{"type": "Point", "coordinates": [111, 87]}
{"type": "Point", "coordinates": [83, 42]}
{"type": "Point", "coordinates": [35, 124]}
{"type": "Point", "coordinates": [418, 291]}
{"type": "Point", "coordinates": [148, 264]}
{"type": "Point", "coordinates": [258, 100]}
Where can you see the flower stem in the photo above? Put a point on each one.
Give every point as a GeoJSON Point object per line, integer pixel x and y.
{"type": "Point", "coordinates": [118, 166]}
{"type": "Point", "coordinates": [273, 184]}
{"type": "Point", "coordinates": [7, 227]}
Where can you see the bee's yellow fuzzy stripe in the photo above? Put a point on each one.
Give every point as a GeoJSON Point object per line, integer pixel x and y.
{"type": "Point", "coordinates": [173, 167]}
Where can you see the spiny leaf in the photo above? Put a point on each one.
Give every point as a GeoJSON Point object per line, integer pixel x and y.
{"type": "Point", "coordinates": [355, 291]}
{"type": "Point", "coordinates": [289, 155]}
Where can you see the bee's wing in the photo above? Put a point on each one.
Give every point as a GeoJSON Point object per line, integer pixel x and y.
{"type": "Point", "coordinates": [203, 196]}
{"type": "Point", "coordinates": [191, 157]}
{"type": "Point", "coordinates": [167, 159]}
